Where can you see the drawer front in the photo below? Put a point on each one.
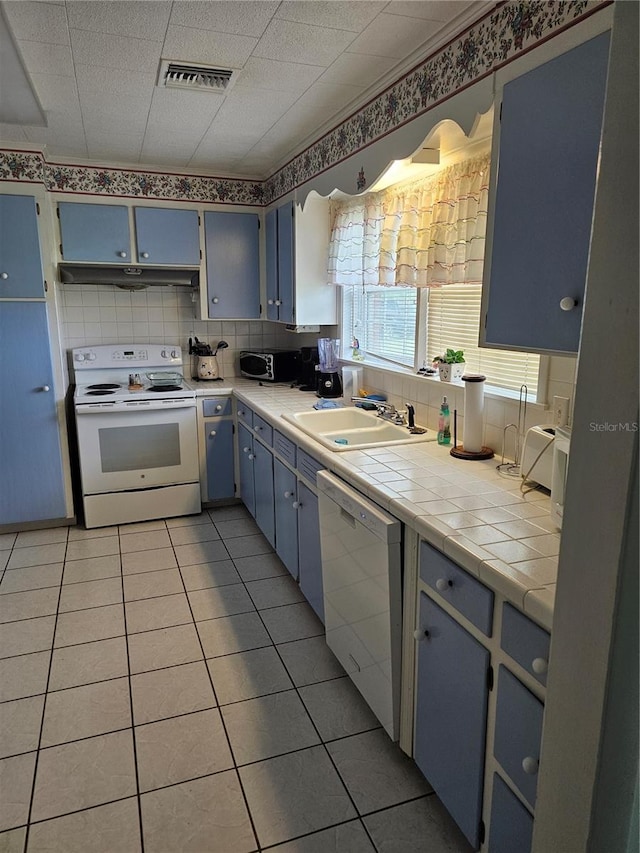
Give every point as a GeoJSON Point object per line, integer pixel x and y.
{"type": "Point", "coordinates": [284, 447]}
{"type": "Point", "coordinates": [217, 407]}
{"type": "Point", "coordinates": [471, 598]}
{"type": "Point", "coordinates": [518, 733]}
{"type": "Point", "coordinates": [245, 414]}
{"type": "Point", "coordinates": [525, 642]}
{"type": "Point", "coordinates": [262, 429]}
{"type": "Point", "coordinates": [511, 825]}
{"type": "Point", "coordinates": [308, 466]}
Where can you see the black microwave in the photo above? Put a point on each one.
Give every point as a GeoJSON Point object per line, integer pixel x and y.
{"type": "Point", "coordinates": [273, 366]}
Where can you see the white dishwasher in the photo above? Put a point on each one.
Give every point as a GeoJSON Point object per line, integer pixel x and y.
{"type": "Point", "coordinates": [362, 578]}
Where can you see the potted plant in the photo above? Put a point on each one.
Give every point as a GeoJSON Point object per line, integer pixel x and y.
{"type": "Point", "coordinates": [450, 365]}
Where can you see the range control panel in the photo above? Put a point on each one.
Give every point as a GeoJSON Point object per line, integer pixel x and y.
{"type": "Point", "coordinates": [107, 355]}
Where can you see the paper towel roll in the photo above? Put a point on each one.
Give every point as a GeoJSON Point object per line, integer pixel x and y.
{"type": "Point", "coordinates": [351, 382]}
{"type": "Point", "coordinates": [473, 411]}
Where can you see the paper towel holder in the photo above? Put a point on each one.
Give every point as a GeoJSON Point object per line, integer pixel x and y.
{"type": "Point", "coordinates": [458, 450]}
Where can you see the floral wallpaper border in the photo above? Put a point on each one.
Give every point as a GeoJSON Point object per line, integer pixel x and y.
{"type": "Point", "coordinates": [512, 28]}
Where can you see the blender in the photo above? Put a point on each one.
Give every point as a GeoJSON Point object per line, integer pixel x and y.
{"type": "Point", "coordinates": [329, 382]}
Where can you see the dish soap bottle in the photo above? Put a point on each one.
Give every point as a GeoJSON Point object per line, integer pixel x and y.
{"type": "Point", "coordinates": [444, 423]}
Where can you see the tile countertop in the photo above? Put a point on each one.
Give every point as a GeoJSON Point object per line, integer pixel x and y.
{"type": "Point", "coordinates": [468, 510]}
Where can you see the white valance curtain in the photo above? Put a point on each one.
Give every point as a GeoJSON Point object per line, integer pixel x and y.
{"type": "Point", "coordinates": [425, 234]}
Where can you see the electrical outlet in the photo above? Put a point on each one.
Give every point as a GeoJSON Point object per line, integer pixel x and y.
{"type": "Point", "coordinates": [560, 411]}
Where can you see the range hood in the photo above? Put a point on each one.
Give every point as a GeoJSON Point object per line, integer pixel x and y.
{"type": "Point", "coordinates": [129, 278]}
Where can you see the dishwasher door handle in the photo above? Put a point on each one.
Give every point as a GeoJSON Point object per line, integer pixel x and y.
{"type": "Point", "coordinates": [347, 517]}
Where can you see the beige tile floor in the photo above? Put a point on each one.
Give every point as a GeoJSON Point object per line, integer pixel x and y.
{"type": "Point", "coordinates": [164, 687]}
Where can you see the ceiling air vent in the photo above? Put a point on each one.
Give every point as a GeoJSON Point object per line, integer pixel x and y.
{"type": "Point", "coordinates": [200, 78]}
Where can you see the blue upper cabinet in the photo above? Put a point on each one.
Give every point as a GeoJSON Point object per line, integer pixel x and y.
{"type": "Point", "coordinates": [538, 239]}
{"type": "Point", "coordinates": [280, 249]}
{"type": "Point", "coordinates": [20, 259]}
{"type": "Point", "coordinates": [271, 241]}
{"type": "Point", "coordinates": [94, 232]}
{"type": "Point", "coordinates": [167, 236]}
{"type": "Point", "coordinates": [233, 265]}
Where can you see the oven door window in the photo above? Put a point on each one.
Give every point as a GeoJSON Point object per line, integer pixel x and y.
{"type": "Point", "coordinates": [130, 448]}
{"type": "Point", "coordinates": [120, 451]}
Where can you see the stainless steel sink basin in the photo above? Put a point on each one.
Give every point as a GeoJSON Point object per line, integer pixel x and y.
{"type": "Point", "coordinates": [353, 429]}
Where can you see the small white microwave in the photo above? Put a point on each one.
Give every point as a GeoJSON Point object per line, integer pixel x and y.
{"type": "Point", "coordinates": [559, 473]}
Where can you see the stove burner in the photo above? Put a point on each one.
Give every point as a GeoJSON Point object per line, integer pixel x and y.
{"type": "Point", "coordinates": [165, 388]}
{"type": "Point", "coordinates": [103, 386]}
{"type": "Point", "coordinates": [101, 392]}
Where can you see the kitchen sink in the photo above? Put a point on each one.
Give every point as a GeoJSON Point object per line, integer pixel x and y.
{"type": "Point", "coordinates": [353, 429]}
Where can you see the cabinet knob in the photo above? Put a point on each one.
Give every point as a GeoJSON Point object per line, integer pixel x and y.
{"type": "Point", "coordinates": [4, 276]}
{"type": "Point", "coordinates": [144, 254]}
{"type": "Point", "coordinates": [420, 634]}
{"type": "Point", "coordinates": [568, 303]}
{"type": "Point", "coordinates": [245, 449]}
{"type": "Point", "coordinates": [530, 765]}
{"type": "Point", "coordinates": [270, 302]}
{"type": "Point", "coordinates": [45, 388]}
{"type": "Point", "coordinates": [288, 494]}
{"type": "Point", "coordinates": [539, 666]}
{"type": "Point", "coordinates": [212, 433]}
{"type": "Point", "coordinates": [258, 428]}
{"type": "Point", "coordinates": [252, 456]}
{"type": "Point", "coordinates": [278, 301]}
{"type": "Point", "coordinates": [218, 408]}
{"type": "Point", "coordinates": [442, 584]}
{"type": "Point", "coordinates": [122, 254]}
{"type": "Point", "coordinates": [296, 505]}
{"type": "Point", "coordinates": [215, 300]}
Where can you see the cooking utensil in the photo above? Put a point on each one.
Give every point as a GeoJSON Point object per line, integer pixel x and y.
{"type": "Point", "coordinates": [221, 345]}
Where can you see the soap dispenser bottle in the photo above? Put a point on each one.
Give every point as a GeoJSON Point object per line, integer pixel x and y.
{"type": "Point", "coordinates": [444, 423]}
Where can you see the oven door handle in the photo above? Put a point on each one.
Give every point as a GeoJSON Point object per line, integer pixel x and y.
{"type": "Point", "coordinates": [135, 408]}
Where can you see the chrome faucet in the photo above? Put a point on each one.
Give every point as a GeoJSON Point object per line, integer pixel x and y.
{"type": "Point", "coordinates": [386, 411]}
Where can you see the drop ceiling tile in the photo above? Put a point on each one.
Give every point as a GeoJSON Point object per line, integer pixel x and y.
{"type": "Point", "coordinates": [41, 22]}
{"type": "Point", "coordinates": [260, 73]}
{"type": "Point", "coordinates": [346, 15]}
{"type": "Point", "coordinates": [357, 69]}
{"type": "Point", "coordinates": [144, 20]}
{"type": "Point", "coordinates": [292, 42]}
{"type": "Point", "coordinates": [121, 149]}
{"type": "Point", "coordinates": [118, 52]}
{"type": "Point", "coordinates": [253, 111]}
{"type": "Point", "coordinates": [108, 119]}
{"type": "Point", "coordinates": [186, 44]}
{"type": "Point", "coordinates": [393, 35]}
{"type": "Point", "coordinates": [249, 18]}
{"type": "Point", "coordinates": [56, 93]}
{"type": "Point", "coordinates": [40, 58]}
{"type": "Point", "coordinates": [433, 10]}
{"type": "Point", "coordinates": [177, 109]}
{"type": "Point", "coordinates": [12, 133]}
{"type": "Point", "coordinates": [163, 156]}
{"type": "Point", "coordinates": [95, 80]}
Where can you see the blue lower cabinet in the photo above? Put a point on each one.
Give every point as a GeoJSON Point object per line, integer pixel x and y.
{"type": "Point", "coordinates": [30, 454]}
{"type": "Point", "coordinates": [286, 509]}
{"type": "Point", "coordinates": [518, 733]}
{"type": "Point", "coordinates": [309, 558]}
{"type": "Point", "coordinates": [245, 469]}
{"type": "Point", "coordinates": [263, 489]}
{"type": "Point", "coordinates": [218, 437]}
{"type": "Point", "coordinates": [451, 715]}
{"type": "Point", "coordinates": [511, 827]}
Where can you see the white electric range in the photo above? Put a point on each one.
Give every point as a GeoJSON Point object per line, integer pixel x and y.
{"type": "Point", "coordinates": [137, 436]}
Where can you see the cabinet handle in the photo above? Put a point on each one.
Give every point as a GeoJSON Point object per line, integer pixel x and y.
{"type": "Point", "coordinates": [420, 634]}
{"type": "Point", "coordinates": [568, 303]}
{"type": "Point", "coordinates": [212, 433]}
{"type": "Point", "coordinates": [4, 276]}
{"type": "Point", "coordinates": [539, 666]}
{"type": "Point", "coordinates": [442, 584]}
{"type": "Point", "coordinates": [45, 388]}
{"type": "Point", "coordinates": [530, 765]}
{"type": "Point", "coordinates": [218, 408]}
{"type": "Point", "coordinates": [215, 300]}
{"type": "Point", "coordinates": [122, 254]}
{"type": "Point", "coordinates": [296, 505]}
{"type": "Point", "coordinates": [144, 254]}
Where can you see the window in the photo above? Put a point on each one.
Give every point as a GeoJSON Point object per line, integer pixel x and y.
{"type": "Point", "coordinates": [430, 233]}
